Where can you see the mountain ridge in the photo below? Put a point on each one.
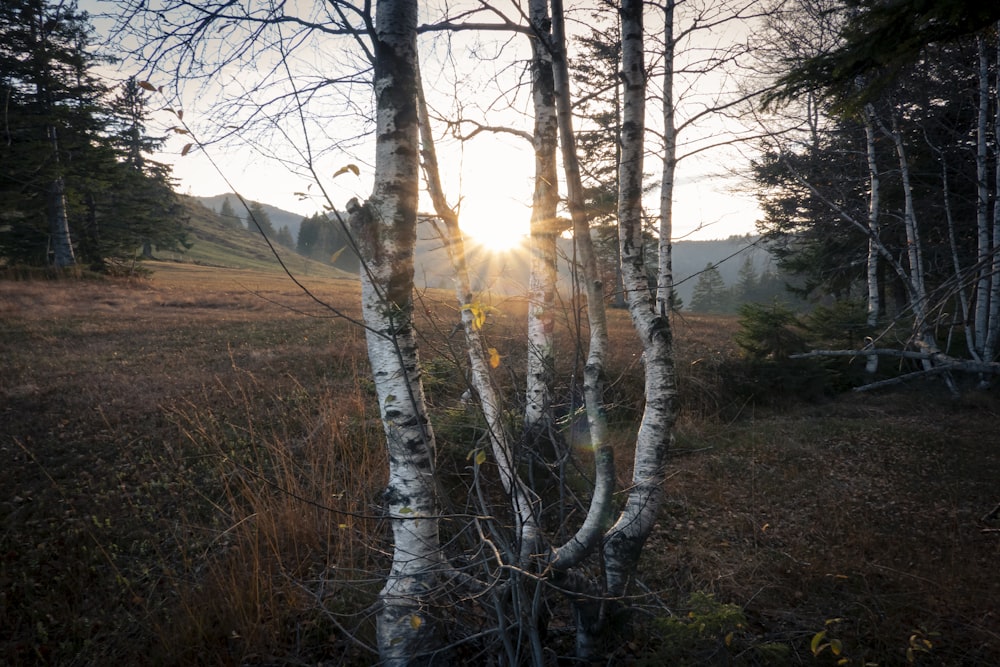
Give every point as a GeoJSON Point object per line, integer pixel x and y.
{"type": "Point", "coordinates": [506, 272]}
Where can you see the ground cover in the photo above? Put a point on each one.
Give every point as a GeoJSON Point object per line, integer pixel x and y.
{"type": "Point", "coordinates": [192, 465]}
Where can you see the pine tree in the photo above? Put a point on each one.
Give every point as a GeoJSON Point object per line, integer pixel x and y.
{"type": "Point", "coordinates": [227, 213]}
{"type": "Point", "coordinates": [710, 294]}
{"type": "Point", "coordinates": [258, 219]}
{"type": "Point", "coordinates": [74, 181]}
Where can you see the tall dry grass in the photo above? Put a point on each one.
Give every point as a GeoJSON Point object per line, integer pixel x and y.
{"type": "Point", "coordinates": [291, 542]}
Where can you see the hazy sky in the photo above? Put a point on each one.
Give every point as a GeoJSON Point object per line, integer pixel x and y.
{"type": "Point", "coordinates": [492, 174]}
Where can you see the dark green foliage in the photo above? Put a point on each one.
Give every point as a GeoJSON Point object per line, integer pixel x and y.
{"type": "Point", "coordinates": [228, 214]}
{"type": "Point", "coordinates": [74, 149]}
{"type": "Point", "coordinates": [769, 332]}
{"type": "Point", "coordinates": [710, 633]}
{"type": "Point", "coordinates": [325, 240]}
{"type": "Point", "coordinates": [768, 336]}
{"type": "Point", "coordinates": [879, 40]}
{"type": "Point", "coordinates": [710, 294]}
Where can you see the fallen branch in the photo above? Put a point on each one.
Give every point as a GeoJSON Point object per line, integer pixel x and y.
{"type": "Point", "coordinates": [943, 363]}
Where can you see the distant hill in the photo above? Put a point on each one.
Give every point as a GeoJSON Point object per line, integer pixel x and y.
{"type": "Point", "coordinates": [218, 242]}
{"type": "Point", "coordinates": [690, 258]}
{"type": "Point", "coordinates": [279, 217]}
{"type": "Point", "coordinates": [506, 273]}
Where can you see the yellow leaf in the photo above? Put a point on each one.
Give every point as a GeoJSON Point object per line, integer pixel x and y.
{"type": "Point", "coordinates": [836, 646]}
{"type": "Point", "coordinates": [353, 168]}
{"type": "Point", "coordinates": [729, 639]}
{"type": "Point", "coordinates": [416, 622]}
{"type": "Point", "coordinates": [146, 85]}
{"type": "Point", "coordinates": [481, 457]}
{"type": "Point", "coordinates": [494, 357]}
{"type": "Point", "coordinates": [814, 644]}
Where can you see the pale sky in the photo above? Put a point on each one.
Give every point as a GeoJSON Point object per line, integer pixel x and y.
{"type": "Point", "coordinates": [492, 174]}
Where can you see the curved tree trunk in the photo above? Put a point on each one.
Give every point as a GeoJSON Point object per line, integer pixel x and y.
{"type": "Point", "coordinates": [625, 539]}
{"type": "Point", "coordinates": [385, 228]}
{"type": "Point", "coordinates": [598, 517]}
{"type": "Point", "coordinates": [544, 233]}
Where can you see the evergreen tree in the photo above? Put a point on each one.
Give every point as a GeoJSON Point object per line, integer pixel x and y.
{"type": "Point", "coordinates": [710, 294]}
{"type": "Point", "coordinates": [49, 96]}
{"type": "Point", "coordinates": [284, 237]}
{"type": "Point", "coordinates": [74, 181]}
{"type": "Point", "coordinates": [258, 219]}
{"type": "Point", "coordinates": [228, 214]}
{"type": "Point", "coordinates": [747, 282]}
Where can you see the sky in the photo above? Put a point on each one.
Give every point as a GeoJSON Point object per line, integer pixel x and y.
{"type": "Point", "coordinates": [490, 174]}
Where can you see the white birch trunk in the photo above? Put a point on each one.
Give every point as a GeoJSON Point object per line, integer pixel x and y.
{"type": "Point", "coordinates": [59, 235]}
{"type": "Point", "coordinates": [385, 227]}
{"type": "Point", "coordinates": [665, 283]}
{"type": "Point", "coordinates": [871, 363]}
{"type": "Point", "coordinates": [543, 234]}
{"type": "Point", "coordinates": [982, 204]}
{"type": "Point", "coordinates": [524, 504]}
{"type": "Point", "coordinates": [993, 325]}
{"type": "Point", "coordinates": [923, 332]}
{"type": "Point", "coordinates": [624, 541]}
{"type": "Point", "coordinates": [963, 297]}
{"type": "Point", "coordinates": [598, 516]}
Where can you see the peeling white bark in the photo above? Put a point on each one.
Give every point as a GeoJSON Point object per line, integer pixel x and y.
{"type": "Point", "coordinates": [385, 227]}
{"type": "Point", "coordinates": [871, 363]}
{"type": "Point", "coordinates": [665, 283]}
{"type": "Point", "coordinates": [599, 514]}
{"type": "Point", "coordinates": [624, 541]}
{"type": "Point", "coordinates": [59, 236]}
{"type": "Point", "coordinates": [543, 233]}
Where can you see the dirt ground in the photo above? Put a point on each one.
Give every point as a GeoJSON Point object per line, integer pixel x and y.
{"type": "Point", "coordinates": [872, 518]}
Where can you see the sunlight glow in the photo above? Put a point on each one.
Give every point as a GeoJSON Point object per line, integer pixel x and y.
{"type": "Point", "coordinates": [497, 223]}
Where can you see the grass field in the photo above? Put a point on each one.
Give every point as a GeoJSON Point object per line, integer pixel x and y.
{"type": "Point", "coordinates": [192, 468]}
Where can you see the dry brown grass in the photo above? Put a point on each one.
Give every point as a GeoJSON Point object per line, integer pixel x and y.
{"type": "Point", "coordinates": [192, 468]}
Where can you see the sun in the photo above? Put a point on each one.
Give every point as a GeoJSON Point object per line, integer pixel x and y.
{"type": "Point", "coordinates": [499, 224]}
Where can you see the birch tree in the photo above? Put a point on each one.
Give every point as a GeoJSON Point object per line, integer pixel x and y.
{"type": "Point", "coordinates": [545, 230]}
{"type": "Point", "coordinates": [385, 227]}
{"type": "Point", "coordinates": [625, 539]}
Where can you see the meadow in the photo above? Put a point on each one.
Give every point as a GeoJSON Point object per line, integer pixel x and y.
{"type": "Point", "coordinates": [192, 465]}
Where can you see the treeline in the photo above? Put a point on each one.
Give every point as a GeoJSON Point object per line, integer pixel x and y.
{"type": "Point", "coordinates": [883, 185]}
{"type": "Point", "coordinates": [76, 183]}
{"type": "Point", "coordinates": [711, 294]}
{"type": "Point", "coordinates": [320, 237]}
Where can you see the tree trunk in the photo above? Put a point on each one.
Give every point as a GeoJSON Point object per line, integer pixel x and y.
{"type": "Point", "coordinates": [625, 539]}
{"type": "Point", "coordinates": [597, 520]}
{"type": "Point", "coordinates": [665, 283]}
{"type": "Point", "coordinates": [871, 364]}
{"type": "Point", "coordinates": [385, 228]}
{"type": "Point", "coordinates": [923, 332]}
{"type": "Point", "coordinates": [982, 204]}
{"type": "Point", "coordinates": [593, 375]}
{"type": "Point", "coordinates": [543, 234]}
{"type": "Point", "coordinates": [524, 505]}
{"type": "Point", "coordinates": [61, 242]}
{"type": "Point", "coordinates": [993, 326]}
